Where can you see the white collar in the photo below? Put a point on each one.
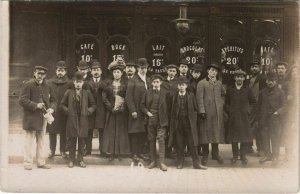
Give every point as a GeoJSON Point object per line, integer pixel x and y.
{"type": "Point", "coordinates": [96, 78]}
{"type": "Point", "coordinates": [181, 74]}
{"type": "Point", "coordinates": [143, 77]}
{"type": "Point", "coordinates": [180, 94]}
{"type": "Point", "coordinates": [158, 89]}
{"type": "Point", "coordinates": [169, 78]}
{"type": "Point", "coordinates": [238, 87]}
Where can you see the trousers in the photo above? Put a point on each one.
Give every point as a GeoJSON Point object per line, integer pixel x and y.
{"type": "Point", "coordinates": [72, 148]}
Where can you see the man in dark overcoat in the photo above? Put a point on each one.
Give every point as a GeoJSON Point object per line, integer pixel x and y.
{"type": "Point", "coordinates": [60, 83]}
{"type": "Point", "coordinates": [136, 90]}
{"type": "Point", "coordinates": [96, 84]}
{"type": "Point", "coordinates": [130, 69]}
{"type": "Point", "coordinates": [78, 104]}
{"type": "Point", "coordinates": [85, 69]}
{"type": "Point", "coordinates": [36, 98]}
{"type": "Point", "coordinates": [183, 124]}
{"type": "Point", "coordinates": [196, 76]}
{"type": "Point", "coordinates": [237, 105]}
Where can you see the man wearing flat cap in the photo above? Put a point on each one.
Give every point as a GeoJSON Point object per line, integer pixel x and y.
{"type": "Point", "coordinates": [36, 98]}
{"type": "Point", "coordinates": [238, 100]}
{"type": "Point", "coordinates": [59, 83]}
{"type": "Point", "coordinates": [136, 88]}
{"type": "Point", "coordinates": [96, 85]}
{"type": "Point", "coordinates": [209, 95]}
{"type": "Point", "coordinates": [78, 104]}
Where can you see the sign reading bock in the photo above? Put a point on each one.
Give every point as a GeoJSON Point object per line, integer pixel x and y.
{"type": "Point", "coordinates": [117, 47]}
{"type": "Point", "coordinates": [158, 55]}
{"type": "Point", "coordinates": [87, 49]}
{"type": "Point", "coordinates": [193, 51]}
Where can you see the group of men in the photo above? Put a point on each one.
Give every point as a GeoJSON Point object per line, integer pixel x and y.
{"type": "Point", "coordinates": [184, 112]}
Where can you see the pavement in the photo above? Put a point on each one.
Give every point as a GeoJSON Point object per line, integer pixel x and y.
{"type": "Point", "coordinates": [118, 176]}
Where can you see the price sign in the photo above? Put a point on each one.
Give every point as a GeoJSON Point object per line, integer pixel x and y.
{"type": "Point", "coordinates": [86, 49]}
{"type": "Point", "coordinates": [193, 51]}
{"type": "Point", "coordinates": [157, 54]}
{"type": "Point", "coordinates": [118, 47]}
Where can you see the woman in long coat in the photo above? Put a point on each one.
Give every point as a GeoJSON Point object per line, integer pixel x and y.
{"type": "Point", "coordinates": [210, 102]}
{"type": "Point", "coordinates": [115, 136]}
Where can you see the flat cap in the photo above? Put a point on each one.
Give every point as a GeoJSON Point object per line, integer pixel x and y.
{"type": "Point", "coordinates": [39, 67]}
{"type": "Point", "coordinates": [156, 76]}
{"type": "Point", "coordinates": [95, 64]}
{"type": "Point", "coordinates": [281, 63]}
{"type": "Point", "coordinates": [61, 64]}
{"type": "Point", "coordinates": [183, 62]}
{"type": "Point", "coordinates": [240, 72]}
{"type": "Point", "coordinates": [82, 65]}
{"type": "Point", "coordinates": [197, 67]}
{"type": "Point", "coordinates": [214, 65]}
{"type": "Point", "coordinates": [171, 66]}
{"type": "Point", "coordinates": [255, 62]}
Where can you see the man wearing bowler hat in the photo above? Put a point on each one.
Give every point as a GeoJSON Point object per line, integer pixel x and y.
{"type": "Point", "coordinates": [59, 83]}
{"type": "Point", "coordinates": [36, 98]}
{"type": "Point", "coordinates": [96, 85]}
{"type": "Point", "coordinates": [84, 68]}
{"type": "Point", "coordinates": [130, 69]}
{"type": "Point", "coordinates": [196, 76]}
{"type": "Point", "coordinates": [209, 95]}
{"type": "Point", "coordinates": [183, 68]}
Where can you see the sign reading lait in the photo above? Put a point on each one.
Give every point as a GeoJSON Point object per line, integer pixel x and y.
{"type": "Point", "coordinates": [193, 51]}
{"type": "Point", "coordinates": [157, 54]}
{"type": "Point", "coordinates": [87, 48]}
{"type": "Point", "coordinates": [117, 47]}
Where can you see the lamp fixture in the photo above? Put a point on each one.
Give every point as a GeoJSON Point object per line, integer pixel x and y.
{"type": "Point", "coordinates": [182, 23]}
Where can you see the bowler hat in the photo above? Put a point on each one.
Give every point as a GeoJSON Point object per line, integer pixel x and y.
{"type": "Point", "coordinates": [271, 76]}
{"type": "Point", "coordinates": [82, 65]}
{"type": "Point", "coordinates": [197, 67]}
{"type": "Point", "coordinates": [78, 75]}
{"type": "Point", "coordinates": [281, 63]}
{"type": "Point", "coordinates": [182, 79]}
{"type": "Point", "coordinates": [214, 65]}
{"type": "Point", "coordinates": [61, 64]}
{"type": "Point", "coordinates": [156, 76]}
{"type": "Point", "coordinates": [171, 66]}
{"type": "Point", "coordinates": [240, 72]}
{"type": "Point", "coordinates": [40, 68]}
{"type": "Point", "coordinates": [142, 62]}
{"type": "Point", "coordinates": [183, 62]}
{"type": "Point", "coordinates": [131, 64]}
{"type": "Point", "coordinates": [117, 66]}
{"type": "Point", "coordinates": [95, 64]}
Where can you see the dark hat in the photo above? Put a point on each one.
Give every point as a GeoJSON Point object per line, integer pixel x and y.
{"type": "Point", "coordinates": [281, 63]}
{"type": "Point", "coordinates": [118, 62]}
{"type": "Point", "coordinates": [271, 76]}
{"type": "Point", "coordinates": [197, 67]}
{"type": "Point", "coordinates": [61, 64]}
{"type": "Point", "coordinates": [40, 68]}
{"type": "Point", "coordinates": [117, 66]}
{"type": "Point", "coordinates": [240, 72]}
{"type": "Point", "coordinates": [95, 64]}
{"type": "Point", "coordinates": [183, 62]}
{"type": "Point", "coordinates": [171, 66]}
{"type": "Point", "coordinates": [142, 62]}
{"type": "Point", "coordinates": [182, 79]}
{"type": "Point", "coordinates": [78, 75]}
{"type": "Point", "coordinates": [255, 62]}
{"type": "Point", "coordinates": [156, 76]}
{"type": "Point", "coordinates": [214, 65]}
{"type": "Point", "coordinates": [131, 64]}
{"type": "Point", "coordinates": [82, 65]}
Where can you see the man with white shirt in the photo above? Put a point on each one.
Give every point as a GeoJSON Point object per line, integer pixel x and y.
{"type": "Point", "coordinates": [97, 119]}
{"type": "Point", "coordinates": [136, 89]}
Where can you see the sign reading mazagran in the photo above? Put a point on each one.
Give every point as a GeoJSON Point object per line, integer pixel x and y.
{"type": "Point", "coordinates": [87, 49]}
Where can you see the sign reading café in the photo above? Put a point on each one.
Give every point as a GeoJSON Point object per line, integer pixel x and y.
{"type": "Point", "coordinates": [86, 49]}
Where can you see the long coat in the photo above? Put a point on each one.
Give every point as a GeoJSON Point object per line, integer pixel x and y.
{"type": "Point", "coordinates": [162, 110]}
{"type": "Point", "coordinates": [59, 86]}
{"type": "Point", "coordinates": [209, 99]}
{"type": "Point", "coordinates": [135, 92]}
{"type": "Point", "coordinates": [170, 86]}
{"type": "Point", "coordinates": [192, 115]}
{"type": "Point", "coordinates": [237, 105]}
{"type": "Point", "coordinates": [77, 125]}
{"type": "Point", "coordinates": [31, 94]}
{"type": "Point", "coordinates": [97, 119]}
{"type": "Point", "coordinates": [115, 136]}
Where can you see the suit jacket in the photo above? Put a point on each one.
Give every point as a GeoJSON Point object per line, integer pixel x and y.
{"type": "Point", "coordinates": [162, 111]}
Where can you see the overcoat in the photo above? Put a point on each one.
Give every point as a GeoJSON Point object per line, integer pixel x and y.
{"type": "Point", "coordinates": [209, 99]}
{"type": "Point", "coordinates": [97, 119]}
{"type": "Point", "coordinates": [59, 86]}
{"type": "Point", "coordinates": [192, 115]}
{"type": "Point", "coordinates": [135, 92]}
{"type": "Point", "coordinates": [77, 125]}
{"type": "Point", "coordinates": [163, 109]}
{"type": "Point", "coordinates": [237, 105]}
{"type": "Point", "coordinates": [170, 86]}
{"type": "Point", "coordinates": [115, 135]}
{"type": "Point", "coordinates": [31, 94]}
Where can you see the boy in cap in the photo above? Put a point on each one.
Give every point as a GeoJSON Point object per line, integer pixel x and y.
{"type": "Point", "coordinates": [183, 124]}
{"type": "Point", "coordinates": [59, 83]}
{"type": "Point", "coordinates": [237, 103]}
{"type": "Point", "coordinates": [77, 104]}
{"type": "Point", "coordinates": [36, 98]}
{"type": "Point", "coordinates": [196, 77]}
{"type": "Point", "coordinates": [96, 85]}
{"type": "Point", "coordinates": [154, 105]}
{"type": "Point", "coordinates": [183, 68]}
{"type": "Point", "coordinates": [271, 103]}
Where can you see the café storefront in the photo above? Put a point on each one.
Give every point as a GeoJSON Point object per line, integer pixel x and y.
{"type": "Point", "coordinates": [229, 33]}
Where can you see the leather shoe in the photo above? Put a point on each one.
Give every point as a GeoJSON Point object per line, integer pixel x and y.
{"type": "Point", "coordinates": [45, 166]}
{"type": "Point", "coordinates": [63, 155]}
{"type": "Point", "coordinates": [244, 161]}
{"type": "Point", "coordinates": [163, 167]}
{"type": "Point", "coordinates": [111, 157]}
{"type": "Point", "coordinates": [234, 160]}
{"type": "Point", "coordinates": [180, 166]}
{"type": "Point", "coordinates": [144, 157]}
{"type": "Point", "coordinates": [28, 167]}
{"type": "Point", "coordinates": [70, 165]}
{"type": "Point", "coordinates": [265, 159]}
{"type": "Point", "coordinates": [51, 155]}
{"type": "Point", "coordinates": [219, 159]}
{"type": "Point", "coordinates": [82, 164]}
{"type": "Point", "coordinates": [152, 165]}
{"type": "Point", "coordinates": [199, 166]}
{"type": "Point", "coordinates": [204, 160]}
